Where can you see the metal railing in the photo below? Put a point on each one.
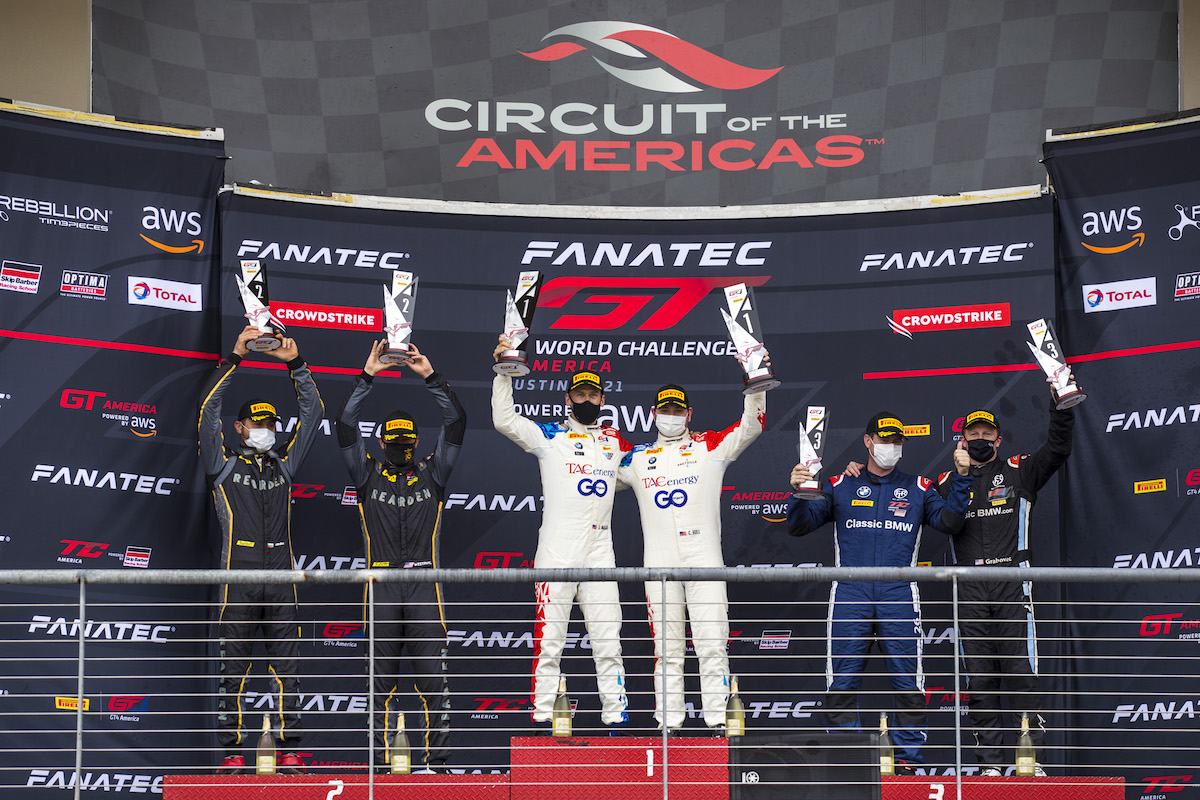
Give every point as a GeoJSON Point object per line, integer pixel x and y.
{"type": "Point", "coordinates": [37, 630]}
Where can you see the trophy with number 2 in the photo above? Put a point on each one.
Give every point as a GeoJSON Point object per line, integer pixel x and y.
{"type": "Point", "coordinates": [399, 305]}
{"type": "Point", "coordinates": [252, 285]}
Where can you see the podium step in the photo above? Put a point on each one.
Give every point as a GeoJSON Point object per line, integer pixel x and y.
{"type": "Point", "coordinates": [342, 787]}
{"type": "Point", "coordinates": [1007, 788]}
{"type": "Point", "coordinates": [628, 767]}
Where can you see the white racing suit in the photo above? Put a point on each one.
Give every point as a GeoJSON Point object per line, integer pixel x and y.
{"type": "Point", "coordinates": [678, 487]}
{"type": "Point", "coordinates": [579, 469]}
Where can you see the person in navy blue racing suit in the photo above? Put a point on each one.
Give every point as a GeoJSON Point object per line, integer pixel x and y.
{"type": "Point", "coordinates": [878, 517]}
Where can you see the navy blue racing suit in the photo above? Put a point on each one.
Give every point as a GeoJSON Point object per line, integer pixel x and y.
{"type": "Point", "coordinates": [877, 523]}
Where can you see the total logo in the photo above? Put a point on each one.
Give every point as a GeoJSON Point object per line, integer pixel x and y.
{"type": "Point", "coordinates": [161, 293]}
{"type": "Point", "coordinates": [1114, 222]}
{"type": "Point", "coordinates": [1156, 711]}
{"type": "Point", "coordinates": [1116, 295]}
{"type": "Point", "coordinates": [138, 418]}
{"type": "Point", "coordinates": [163, 222]}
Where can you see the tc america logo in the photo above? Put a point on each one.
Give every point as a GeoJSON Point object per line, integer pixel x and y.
{"type": "Point", "coordinates": [692, 68]}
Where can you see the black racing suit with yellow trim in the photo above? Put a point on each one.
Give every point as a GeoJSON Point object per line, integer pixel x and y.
{"type": "Point", "coordinates": [996, 621]}
{"type": "Point", "coordinates": [400, 511]}
{"type": "Point", "coordinates": [252, 494]}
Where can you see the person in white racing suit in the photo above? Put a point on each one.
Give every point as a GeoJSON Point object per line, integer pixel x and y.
{"type": "Point", "coordinates": [677, 480]}
{"type": "Point", "coordinates": [578, 460]}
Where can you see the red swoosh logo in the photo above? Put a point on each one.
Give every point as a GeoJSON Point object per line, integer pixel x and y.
{"type": "Point", "coordinates": [555, 52]}
{"type": "Point", "coordinates": [695, 62]}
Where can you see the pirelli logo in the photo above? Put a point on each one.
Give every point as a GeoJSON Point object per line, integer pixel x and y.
{"type": "Point", "coordinates": [70, 703]}
{"type": "Point", "coordinates": [399, 424]}
{"type": "Point", "coordinates": [1145, 487]}
{"type": "Point", "coordinates": [916, 430]}
{"type": "Point", "coordinates": [260, 408]}
{"type": "Point", "coordinates": [867, 503]}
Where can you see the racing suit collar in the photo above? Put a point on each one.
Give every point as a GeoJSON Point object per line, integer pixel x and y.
{"type": "Point", "coordinates": [663, 441]}
{"type": "Point", "coordinates": [578, 427]}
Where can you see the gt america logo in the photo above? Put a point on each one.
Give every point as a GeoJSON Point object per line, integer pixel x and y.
{"type": "Point", "coordinates": [620, 42]}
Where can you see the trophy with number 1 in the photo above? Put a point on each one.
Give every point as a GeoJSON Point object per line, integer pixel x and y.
{"type": "Point", "coordinates": [742, 321]}
{"type": "Point", "coordinates": [399, 305]}
{"type": "Point", "coordinates": [810, 448]}
{"type": "Point", "coordinates": [1050, 358]}
{"type": "Point", "coordinates": [252, 284]}
{"type": "Point", "coordinates": [518, 316]}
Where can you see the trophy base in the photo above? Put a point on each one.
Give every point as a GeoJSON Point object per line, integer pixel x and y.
{"type": "Point", "coordinates": [396, 355]}
{"type": "Point", "coordinates": [806, 492]}
{"type": "Point", "coordinates": [264, 344]}
{"type": "Point", "coordinates": [511, 363]}
{"type": "Point", "coordinates": [760, 380]}
{"type": "Point", "coordinates": [1073, 397]}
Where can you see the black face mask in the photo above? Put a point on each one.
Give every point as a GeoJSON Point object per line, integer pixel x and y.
{"type": "Point", "coordinates": [981, 450]}
{"type": "Point", "coordinates": [399, 455]}
{"type": "Point", "coordinates": [585, 413]}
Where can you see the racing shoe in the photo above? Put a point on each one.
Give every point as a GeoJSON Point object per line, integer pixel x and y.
{"type": "Point", "coordinates": [290, 764]}
{"type": "Point", "coordinates": [232, 765]}
{"type": "Point", "coordinates": [990, 772]}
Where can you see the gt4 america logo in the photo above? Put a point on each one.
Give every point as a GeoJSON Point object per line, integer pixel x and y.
{"type": "Point", "coordinates": [688, 68]}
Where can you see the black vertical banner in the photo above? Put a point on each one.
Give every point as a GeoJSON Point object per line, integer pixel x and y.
{"type": "Point", "coordinates": [1128, 209]}
{"type": "Point", "coordinates": [107, 326]}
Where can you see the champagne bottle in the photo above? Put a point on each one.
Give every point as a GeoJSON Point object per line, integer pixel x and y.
{"type": "Point", "coordinates": [887, 756]}
{"type": "Point", "coordinates": [735, 712]}
{"type": "Point", "coordinates": [401, 752]}
{"type": "Point", "coordinates": [562, 711]}
{"type": "Point", "coordinates": [1026, 757]}
{"type": "Point", "coordinates": [264, 751]}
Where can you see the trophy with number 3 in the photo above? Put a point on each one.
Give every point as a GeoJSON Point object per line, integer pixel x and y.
{"type": "Point", "coordinates": [399, 305]}
{"type": "Point", "coordinates": [518, 316]}
{"type": "Point", "coordinates": [742, 321]}
{"type": "Point", "coordinates": [1049, 357]}
{"type": "Point", "coordinates": [252, 284]}
{"type": "Point", "coordinates": [809, 449]}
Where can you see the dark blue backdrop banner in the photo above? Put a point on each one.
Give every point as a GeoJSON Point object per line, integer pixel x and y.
{"type": "Point", "coordinates": [107, 309]}
{"type": "Point", "coordinates": [1128, 231]}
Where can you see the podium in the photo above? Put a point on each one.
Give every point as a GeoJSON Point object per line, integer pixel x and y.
{"type": "Point", "coordinates": [923, 787]}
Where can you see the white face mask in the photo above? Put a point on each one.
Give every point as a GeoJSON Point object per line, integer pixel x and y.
{"type": "Point", "coordinates": [260, 440]}
{"type": "Point", "coordinates": [670, 426]}
{"type": "Point", "coordinates": [888, 455]}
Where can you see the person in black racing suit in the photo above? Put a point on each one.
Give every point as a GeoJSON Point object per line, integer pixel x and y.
{"type": "Point", "coordinates": [400, 511]}
{"type": "Point", "coordinates": [251, 486]}
{"type": "Point", "coordinates": [996, 623]}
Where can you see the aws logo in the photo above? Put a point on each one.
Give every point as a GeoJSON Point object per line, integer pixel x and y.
{"type": "Point", "coordinates": [685, 67]}
{"type": "Point", "coordinates": [163, 222]}
{"type": "Point", "coordinates": [1115, 221]}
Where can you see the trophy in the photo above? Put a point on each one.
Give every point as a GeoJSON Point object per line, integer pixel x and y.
{"type": "Point", "coordinates": [742, 321]}
{"type": "Point", "coordinates": [810, 448]}
{"type": "Point", "coordinates": [399, 303]}
{"type": "Point", "coordinates": [518, 315]}
{"type": "Point", "coordinates": [252, 284]}
{"type": "Point", "coordinates": [1049, 357]}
